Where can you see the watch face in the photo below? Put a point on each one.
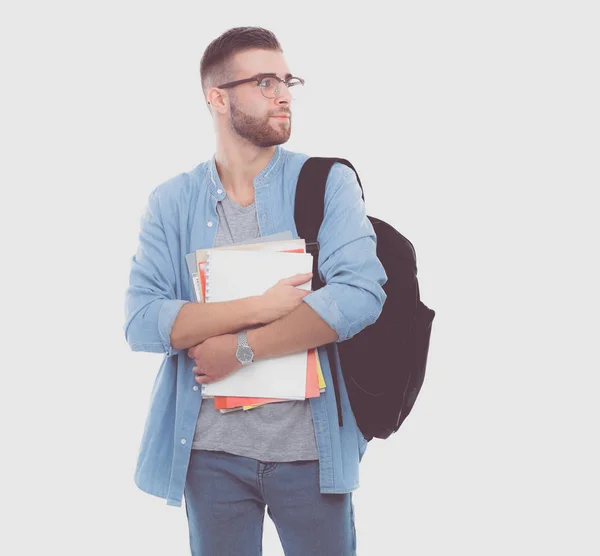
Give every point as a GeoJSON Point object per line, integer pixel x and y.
{"type": "Point", "coordinates": [244, 354]}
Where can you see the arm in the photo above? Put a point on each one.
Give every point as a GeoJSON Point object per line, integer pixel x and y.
{"type": "Point", "coordinates": [299, 330]}
{"type": "Point", "coordinates": [196, 322]}
{"type": "Point", "coordinates": [155, 320]}
{"type": "Point", "coordinates": [353, 296]}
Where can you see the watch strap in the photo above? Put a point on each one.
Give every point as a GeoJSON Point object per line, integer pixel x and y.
{"type": "Point", "coordinates": [242, 339]}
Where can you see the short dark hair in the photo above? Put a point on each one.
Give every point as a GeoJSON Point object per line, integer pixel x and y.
{"type": "Point", "coordinates": [216, 66]}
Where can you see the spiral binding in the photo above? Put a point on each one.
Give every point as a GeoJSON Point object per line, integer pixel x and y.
{"type": "Point", "coordinates": [207, 275]}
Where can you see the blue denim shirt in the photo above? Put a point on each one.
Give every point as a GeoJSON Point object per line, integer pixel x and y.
{"type": "Point", "coordinates": [180, 217]}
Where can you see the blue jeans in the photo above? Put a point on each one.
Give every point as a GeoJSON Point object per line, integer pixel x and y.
{"type": "Point", "coordinates": [225, 499]}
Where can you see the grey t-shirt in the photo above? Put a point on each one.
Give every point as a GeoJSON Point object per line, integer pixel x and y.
{"type": "Point", "coordinates": [281, 431]}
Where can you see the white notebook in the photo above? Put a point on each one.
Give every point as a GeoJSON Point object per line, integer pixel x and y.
{"type": "Point", "coordinates": [234, 274]}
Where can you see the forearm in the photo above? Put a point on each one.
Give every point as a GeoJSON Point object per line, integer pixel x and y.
{"type": "Point", "coordinates": [299, 330]}
{"type": "Point", "coordinates": [196, 322]}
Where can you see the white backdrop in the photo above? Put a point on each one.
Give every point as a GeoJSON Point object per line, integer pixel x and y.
{"type": "Point", "coordinates": [474, 128]}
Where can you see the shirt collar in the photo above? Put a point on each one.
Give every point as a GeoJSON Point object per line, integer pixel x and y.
{"type": "Point", "coordinates": [270, 171]}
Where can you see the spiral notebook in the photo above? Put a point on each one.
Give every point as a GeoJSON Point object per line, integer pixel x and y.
{"type": "Point", "coordinates": [232, 274]}
{"type": "Point", "coordinates": [273, 242]}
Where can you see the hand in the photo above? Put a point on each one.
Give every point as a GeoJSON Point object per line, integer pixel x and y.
{"type": "Point", "coordinates": [215, 358]}
{"type": "Point", "coordinates": [282, 298]}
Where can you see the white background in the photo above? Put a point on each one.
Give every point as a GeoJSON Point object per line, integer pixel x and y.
{"type": "Point", "coordinates": [475, 129]}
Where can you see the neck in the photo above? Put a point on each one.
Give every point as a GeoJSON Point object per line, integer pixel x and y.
{"type": "Point", "coordinates": [238, 165]}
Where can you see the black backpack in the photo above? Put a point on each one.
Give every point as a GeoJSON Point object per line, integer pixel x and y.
{"type": "Point", "coordinates": [383, 365]}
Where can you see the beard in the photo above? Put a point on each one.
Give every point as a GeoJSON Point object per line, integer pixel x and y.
{"type": "Point", "coordinates": [261, 132]}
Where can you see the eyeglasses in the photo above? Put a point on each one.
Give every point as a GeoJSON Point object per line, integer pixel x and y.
{"type": "Point", "coordinates": [269, 84]}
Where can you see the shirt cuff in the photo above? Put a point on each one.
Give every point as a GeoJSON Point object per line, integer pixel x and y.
{"type": "Point", "coordinates": [166, 317]}
{"type": "Point", "coordinates": [326, 307]}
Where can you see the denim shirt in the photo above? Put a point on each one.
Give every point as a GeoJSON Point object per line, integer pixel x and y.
{"type": "Point", "coordinates": [181, 217]}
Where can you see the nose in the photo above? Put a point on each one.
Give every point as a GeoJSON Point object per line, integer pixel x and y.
{"type": "Point", "coordinates": [284, 94]}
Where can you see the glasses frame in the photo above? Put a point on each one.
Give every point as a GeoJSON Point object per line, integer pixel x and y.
{"type": "Point", "coordinates": [258, 78]}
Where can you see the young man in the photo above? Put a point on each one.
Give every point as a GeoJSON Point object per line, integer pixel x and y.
{"type": "Point", "coordinates": [292, 457]}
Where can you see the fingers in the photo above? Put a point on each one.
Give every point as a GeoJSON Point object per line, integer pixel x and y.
{"type": "Point", "coordinates": [201, 378]}
{"type": "Point", "coordinates": [297, 279]}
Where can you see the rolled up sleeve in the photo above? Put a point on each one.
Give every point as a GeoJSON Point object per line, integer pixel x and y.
{"type": "Point", "coordinates": [151, 305]}
{"type": "Point", "coordinates": [353, 296]}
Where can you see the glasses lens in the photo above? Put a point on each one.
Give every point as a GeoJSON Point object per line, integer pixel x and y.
{"type": "Point", "coordinates": [269, 85]}
{"type": "Point", "coordinates": [296, 88]}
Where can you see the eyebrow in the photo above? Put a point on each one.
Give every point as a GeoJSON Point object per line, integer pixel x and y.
{"type": "Point", "coordinates": [287, 75]}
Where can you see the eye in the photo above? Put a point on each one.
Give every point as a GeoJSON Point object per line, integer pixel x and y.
{"type": "Point", "coordinates": [266, 83]}
{"type": "Point", "coordinates": [293, 81]}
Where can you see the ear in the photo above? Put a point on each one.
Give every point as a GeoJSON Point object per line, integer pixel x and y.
{"type": "Point", "coordinates": [217, 100]}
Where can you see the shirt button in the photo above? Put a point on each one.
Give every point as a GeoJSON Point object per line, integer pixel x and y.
{"type": "Point", "coordinates": [183, 441]}
{"type": "Point", "coordinates": [195, 388]}
{"type": "Point", "coordinates": [219, 191]}
{"type": "Point", "coordinates": [209, 224]}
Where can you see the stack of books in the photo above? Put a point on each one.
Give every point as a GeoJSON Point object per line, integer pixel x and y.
{"type": "Point", "coordinates": [249, 269]}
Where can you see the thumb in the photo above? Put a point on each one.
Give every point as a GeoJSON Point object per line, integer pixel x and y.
{"type": "Point", "coordinates": [298, 279]}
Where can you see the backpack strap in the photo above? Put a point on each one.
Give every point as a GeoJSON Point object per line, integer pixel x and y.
{"type": "Point", "coordinates": [309, 207]}
{"type": "Point", "coordinates": [309, 210]}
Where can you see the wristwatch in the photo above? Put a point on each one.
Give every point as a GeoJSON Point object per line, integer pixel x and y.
{"type": "Point", "coordinates": [244, 352]}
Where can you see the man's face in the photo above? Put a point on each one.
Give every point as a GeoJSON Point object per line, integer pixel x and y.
{"type": "Point", "coordinates": [252, 116]}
